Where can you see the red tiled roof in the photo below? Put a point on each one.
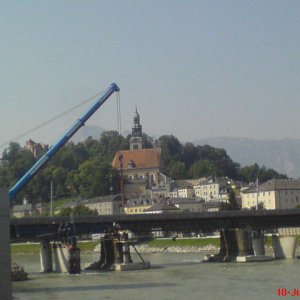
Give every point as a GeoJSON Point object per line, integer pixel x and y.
{"type": "Point", "coordinates": [139, 159]}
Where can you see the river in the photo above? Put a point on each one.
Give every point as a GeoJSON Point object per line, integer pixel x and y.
{"type": "Point", "coordinates": [172, 276]}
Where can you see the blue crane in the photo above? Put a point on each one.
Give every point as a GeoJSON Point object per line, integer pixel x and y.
{"type": "Point", "coordinates": [52, 151]}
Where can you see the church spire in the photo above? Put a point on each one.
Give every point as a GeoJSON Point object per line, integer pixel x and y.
{"type": "Point", "coordinates": [136, 139]}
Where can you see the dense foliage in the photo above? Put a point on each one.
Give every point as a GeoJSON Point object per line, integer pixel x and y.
{"type": "Point", "coordinates": [79, 210]}
{"type": "Point", "coordinates": [85, 168]}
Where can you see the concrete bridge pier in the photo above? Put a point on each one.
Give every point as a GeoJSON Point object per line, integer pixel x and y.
{"type": "Point", "coordinates": [229, 248]}
{"type": "Point", "coordinates": [284, 246]}
{"type": "Point", "coordinates": [126, 252]}
{"type": "Point", "coordinates": [115, 254]}
{"type": "Point", "coordinates": [256, 247]}
{"type": "Point", "coordinates": [244, 242]}
{"type": "Point", "coordinates": [66, 258]}
{"type": "Point", "coordinates": [5, 258]}
{"type": "Point", "coordinates": [240, 245]}
{"type": "Point", "coordinates": [258, 242]}
{"type": "Point", "coordinates": [46, 256]}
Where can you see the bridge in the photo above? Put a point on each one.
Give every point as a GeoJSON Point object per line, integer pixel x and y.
{"type": "Point", "coordinates": [38, 227]}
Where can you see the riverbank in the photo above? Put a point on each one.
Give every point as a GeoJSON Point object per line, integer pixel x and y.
{"type": "Point", "coordinates": [32, 248]}
{"type": "Point", "coordinates": [185, 245]}
{"type": "Point", "coordinates": [153, 246]}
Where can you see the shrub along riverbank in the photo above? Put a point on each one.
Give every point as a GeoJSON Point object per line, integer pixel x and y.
{"type": "Point", "coordinates": [89, 246]}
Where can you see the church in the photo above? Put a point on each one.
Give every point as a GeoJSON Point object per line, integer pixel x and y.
{"type": "Point", "coordinates": [141, 168]}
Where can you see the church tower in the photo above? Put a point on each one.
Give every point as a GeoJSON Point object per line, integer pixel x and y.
{"type": "Point", "coordinates": [136, 141]}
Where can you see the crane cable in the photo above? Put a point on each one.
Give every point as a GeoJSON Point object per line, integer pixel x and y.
{"type": "Point", "coordinates": [118, 113]}
{"type": "Point", "coordinates": [50, 120]}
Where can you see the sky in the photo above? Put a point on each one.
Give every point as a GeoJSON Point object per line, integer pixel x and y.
{"type": "Point", "coordinates": [194, 69]}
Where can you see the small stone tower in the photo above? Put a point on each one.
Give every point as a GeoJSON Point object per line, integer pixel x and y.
{"type": "Point", "coordinates": [136, 141]}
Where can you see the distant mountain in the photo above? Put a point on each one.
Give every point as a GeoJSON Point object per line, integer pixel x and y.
{"type": "Point", "coordinates": [281, 155]}
{"type": "Point", "coordinates": [87, 131]}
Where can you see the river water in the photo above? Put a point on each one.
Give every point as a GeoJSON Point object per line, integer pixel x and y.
{"type": "Point", "coordinates": [172, 276]}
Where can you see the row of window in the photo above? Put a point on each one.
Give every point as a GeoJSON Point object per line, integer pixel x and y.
{"type": "Point", "coordinates": [269, 193]}
{"type": "Point", "coordinates": [292, 200]}
{"type": "Point", "coordinates": [206, 187]}
{"type": "Point", "coordinates": [259, 201]}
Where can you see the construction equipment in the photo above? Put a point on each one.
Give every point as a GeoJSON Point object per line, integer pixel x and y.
{"type": "Point", "coordinates": [61, 142]}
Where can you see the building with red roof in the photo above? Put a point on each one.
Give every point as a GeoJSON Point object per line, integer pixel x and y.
{"type": "Point", "coordinates": [142, 169]}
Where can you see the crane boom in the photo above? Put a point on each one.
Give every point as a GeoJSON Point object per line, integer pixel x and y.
{"type": "Point", "coordinates": [53, 149]}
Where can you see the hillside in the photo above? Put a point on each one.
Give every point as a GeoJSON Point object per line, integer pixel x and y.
{"type": "Point", "coordinates": [282, 155]}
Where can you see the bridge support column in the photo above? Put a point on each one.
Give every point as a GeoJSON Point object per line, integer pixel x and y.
{"type": "Point", "coordinates": [284, 246]}
{"type": "Point", "coordinates": [60, 258]}
{"type": "Point", "coordinates": [244, 242]}
{"type": "Point", "coordinates": [46, 256]}
{"type": "Point", "coordinates": [258, 242]}
{"type": "Point", "coordinates": [115, 255]}
{"type": "Point", "coordinates": [228, 247]}
{"type": "Point", "coordinates": [238, 245]}
{"type": "Point", "coordinates": [109, 254]}
{"type": "Point", "coordinates": [126, 253]}
{"type": "Point", "coordinates": [66, 258]}
{"type": "Point", "coordinates": [5, 258]}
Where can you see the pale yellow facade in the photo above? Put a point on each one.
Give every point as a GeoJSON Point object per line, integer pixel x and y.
{"type": "Point", "coordinates": [136, 209]}
{"type": "Point", "coordinates": [186, 193]}
{"type": "Point", "coordinates": [282, 194]}
{"type": "Point", "coordinates": [207, 191]}
{"type": "Point", "coordinates": [268, 200]}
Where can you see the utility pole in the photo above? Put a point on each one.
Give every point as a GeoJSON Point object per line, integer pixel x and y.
{"type": "Point", "coordinates": [51, 198]}
{"type": "Point", "coordinates": [121, 180]}
{"type": "Point", "coordinates": [257, 192]}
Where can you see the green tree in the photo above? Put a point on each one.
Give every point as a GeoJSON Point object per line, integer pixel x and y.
{"type": "Point", "coordinates": [171, 148]}
{"type": "Point", "coordinates": [202, 168]}
{"type": "Point", "coordinates": [59, 177]}
{"type": "Point", "coordinates": [176, 169]}
{"type": "Point", "coordinates": [110, 143]}
{"type": "Point", "coordinates": [82, 210]}
{"type": "Point", "coordinates": [189, 154]}
{"type": "Point", "coordinates": [11, 153]}
{"type": "Point", "coordinates": [65, 212]}
{"type": "Point", "coordinates": [95, 178]}
{"type": "Point", "coordinates": [253, 172]}
{"type": "Point", "coordinates": [79, 210]}
{"type": "Point", "coordinates": [232, 202]}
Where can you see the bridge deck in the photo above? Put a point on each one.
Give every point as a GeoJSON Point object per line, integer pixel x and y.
{"type": "Point", "coordinates": [261, 219]}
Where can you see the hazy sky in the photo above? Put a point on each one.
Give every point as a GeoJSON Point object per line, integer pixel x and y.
{"type": "Point", "coordinates": [195, 69]}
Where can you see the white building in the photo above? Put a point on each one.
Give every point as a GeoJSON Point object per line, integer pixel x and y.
{"type": "Point", "coordinates": [195, 205]}
{"type": "Point", "coordinates": [183, 188]}
{"type": "Point", "coordinates": [211, 189]}
{"type": "Point", "coordinates": [273, 194]}
{"type": "Point", "coordinates": [106, 205]}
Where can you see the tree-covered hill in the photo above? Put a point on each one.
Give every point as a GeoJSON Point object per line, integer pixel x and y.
{"type": "Point", "coordinates": [85, 168]}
